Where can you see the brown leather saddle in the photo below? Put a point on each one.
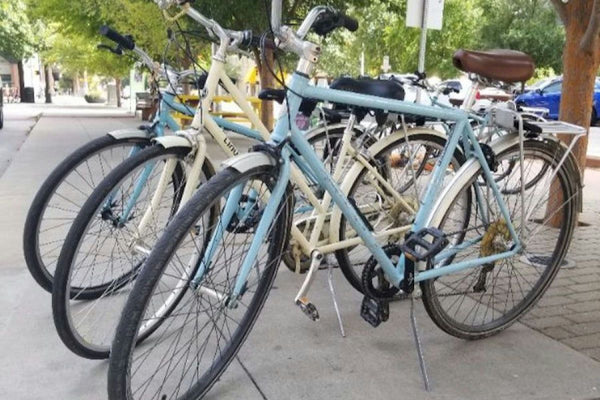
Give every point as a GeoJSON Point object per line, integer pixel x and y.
{"type": "Point", "coordinates": [508, 66]}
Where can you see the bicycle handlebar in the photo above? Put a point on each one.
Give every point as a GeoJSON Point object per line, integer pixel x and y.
{"type": "Point", "coordinates": [125, 42]}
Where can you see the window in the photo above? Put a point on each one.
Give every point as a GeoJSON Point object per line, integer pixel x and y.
{"type": "Point", "coordinates": [6, 80]}
{"type": "Point", "coordinates": [553, 88]}
{"type": "Point", "coordinates": [455, 85]}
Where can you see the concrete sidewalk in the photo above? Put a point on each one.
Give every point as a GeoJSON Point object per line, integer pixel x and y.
{"type": "Point", "coordinates": [288, 356]}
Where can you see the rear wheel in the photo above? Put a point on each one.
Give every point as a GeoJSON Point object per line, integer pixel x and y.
{"type": "Point", "coordinates": [478, 302]}
{"type": "Point", "coordinates": [383, 210]}
{"type": "Point", "coordinates": [193, 342]}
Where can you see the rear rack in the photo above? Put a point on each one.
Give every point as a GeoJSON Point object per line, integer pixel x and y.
{"type": "Point", "coordinates": [506, 116]}
{"type": "Point", "coordinates": [559, 127]}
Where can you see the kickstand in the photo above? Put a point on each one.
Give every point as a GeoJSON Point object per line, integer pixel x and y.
{"type": "Point", "coordinates": [335, 304]}
{"type": "Point", "coordinates": [413, 321]}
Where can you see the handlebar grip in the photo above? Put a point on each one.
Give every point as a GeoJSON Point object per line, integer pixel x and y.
{"type": "Point", "coordinates": [124, 41]}
{"type": "Point", "coordinates": [349, 23]}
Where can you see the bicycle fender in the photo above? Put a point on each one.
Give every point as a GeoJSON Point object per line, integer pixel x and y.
{"type": "Point", "coordinates": [172, 141]}
{"type": "Point", "coordinates": [120, 134]}
{"type": "Point", "coordinates": [246, 162]}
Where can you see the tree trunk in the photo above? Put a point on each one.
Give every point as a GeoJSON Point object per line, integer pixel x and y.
{"type": "Point", "coordinates": [118, 90]}
{"type": "Point", "coordinates": [580, 69]}
{"type": "Point", "coordinates": [85, 82]}
{"type": "Point", "coordinates": [48, 79]}
{"type": "Point", "coordinates": [76, 88]}
{"type": "Point", "coordinates": [267, 80]}
{"type": "Point", "coordinates": [580, 65]}
{"type": "Point", "coordinates": [21, 78]}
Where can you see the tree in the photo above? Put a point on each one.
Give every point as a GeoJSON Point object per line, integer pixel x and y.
{"type": "Point", "coordinates": [76, 26]}
{"type": "Point", "coordinates": [581, 59]}
{"type": "Point", "coordinates": [16, 36]}
{"type": "Point", "coordinates": [530, 26]}
{"type": "Point", "coordinates": [383, 31]}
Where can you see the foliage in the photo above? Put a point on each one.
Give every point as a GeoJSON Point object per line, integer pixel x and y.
{"type": "Point", "coordinates": [531, 26]}
{"type": "Point", "coordinates": [94, 97]}
{"type": "Point", "coordinates": [16, 33]}
{"type": "Point", "coordinates": [527, 25]}
{"type": "Point", "coordinates": [76, 26]}
{"type": "Point", "coordinates": [383, 31]}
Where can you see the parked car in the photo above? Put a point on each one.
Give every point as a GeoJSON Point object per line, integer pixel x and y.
{"type": "Point", "coordinates": [548, 96]}
{"type": "Point", "coordinates": [484, 97]}
{"type": "Point", "coordinates": [538, 84]}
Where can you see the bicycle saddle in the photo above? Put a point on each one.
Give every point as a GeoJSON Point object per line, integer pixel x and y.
{"type": "Point", "coordinates": [499, 65]}
{"type": "Point", "coordinates": [390, 89]}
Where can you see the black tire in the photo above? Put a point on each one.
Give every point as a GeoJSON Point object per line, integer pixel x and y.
{"type": "Point", "coordinates": [352, 269]}
{"type": "Point", "coordinates": [124, 372]}
{"type": "Point", "coordinates": [594, 118]}
{"type": "Point", "coordinates": [490, 290]}
{"type": "Point", "coordinates": [41, 265]}
{"type": "Point", "coordinates": [106, 281]}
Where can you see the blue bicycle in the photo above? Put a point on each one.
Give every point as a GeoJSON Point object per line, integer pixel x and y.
{"type": "Point", "coordinates": [63, 193]}
{"type": "Point", "coordinates": [484, 247]}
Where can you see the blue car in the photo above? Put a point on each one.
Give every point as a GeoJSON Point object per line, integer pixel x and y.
{"type": "Point", "coordinates": [548, 96]}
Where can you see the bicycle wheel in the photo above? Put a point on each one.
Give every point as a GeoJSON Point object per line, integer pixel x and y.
{"type": "Point", "coordinates": [194, 341]}
{"type": "Point", "coordinates": [407, 167]}
{"type": "Point", "coordinates": [62, 195]}
{"type": "Point", "coordinates": [481, 301]}
{"type": "Point", "coordinates": [106, 249]}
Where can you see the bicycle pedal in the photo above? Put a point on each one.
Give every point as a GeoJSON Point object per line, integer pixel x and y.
{"type": "Point", "coordinates": [374, 311]}
{"type": "Point", "coordinates": [309, 309]}
{"type": "Point", "coordinates": [424, 244]}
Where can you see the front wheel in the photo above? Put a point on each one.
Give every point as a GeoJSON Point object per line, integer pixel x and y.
{"type": "Point", "coordinates": [194, 341]}
{"type": "Point", "coordinates": [481, 301]}
{"type": "Point", "coordinates": [109, 241]}
{"type": "Point", "coordinates": [61, 196]}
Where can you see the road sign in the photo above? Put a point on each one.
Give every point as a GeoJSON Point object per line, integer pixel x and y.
{"type": "Point", "coordinates": [434, 13]}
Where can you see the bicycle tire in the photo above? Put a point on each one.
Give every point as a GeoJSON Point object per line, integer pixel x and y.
{"type": "Point", "coordinates": [351, 271]}
{"type": "Point", "coordinates": [475, 286]}
{"type": "Point", "coordinates": [93, 341]}
{"type": "Point", "coordinates": [42, 270]}
{"type": "Point", "coordinates": [120, 375]}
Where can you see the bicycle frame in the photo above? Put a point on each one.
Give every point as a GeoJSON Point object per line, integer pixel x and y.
{"type": "Point", "coordinates": [300, 88]}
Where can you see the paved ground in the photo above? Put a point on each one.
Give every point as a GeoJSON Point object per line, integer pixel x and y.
{"type": "Point", "coordinates": [288, 356]}
{"type": "Point", "coordinates": [594, 142]}
{"type": "Point", "coordinates": [570, 310]}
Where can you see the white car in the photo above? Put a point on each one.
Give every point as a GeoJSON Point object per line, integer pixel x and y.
{"type": "Point", "coordinates": [460, 88]}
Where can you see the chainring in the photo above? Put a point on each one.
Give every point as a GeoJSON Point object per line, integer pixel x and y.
{"type": "Point", "coordinates": [372, 271]}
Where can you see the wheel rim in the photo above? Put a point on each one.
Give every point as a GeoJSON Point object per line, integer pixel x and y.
{"type": "Point", "coordinates": [105, 265]}
{"type": "Point", "coordinates": [480, 300]}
